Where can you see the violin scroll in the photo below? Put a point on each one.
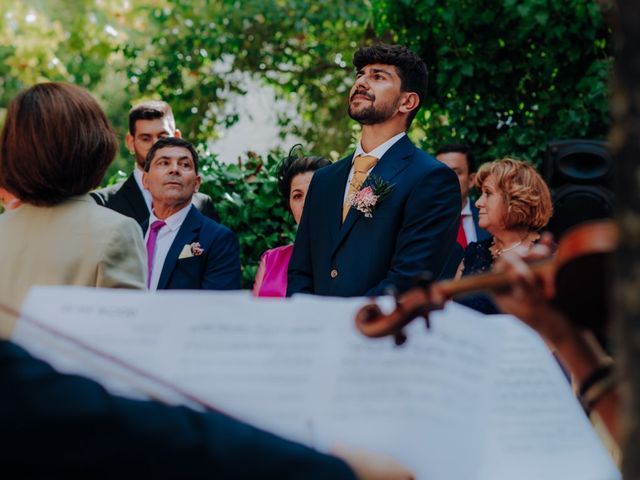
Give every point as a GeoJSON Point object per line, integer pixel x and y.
{"type": "Point", "coordinates": [372, 322]}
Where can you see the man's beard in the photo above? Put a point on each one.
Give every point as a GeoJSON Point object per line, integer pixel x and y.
{"type": "Point", "coordinates": [371, 115]}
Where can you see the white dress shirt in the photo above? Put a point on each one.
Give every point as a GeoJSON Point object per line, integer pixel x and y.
{"type": "Point", "coordinates": [146, 194]}
{"type": "Point", "coordinates": [166, 236]}
{"type": "Point", "coordinates": [467, 223]}
{"type": "Point", "coordinates": [377, 152]}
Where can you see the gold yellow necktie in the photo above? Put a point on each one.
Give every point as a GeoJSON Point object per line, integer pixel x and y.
{"type": "Point", "coordinates": [361, 166]}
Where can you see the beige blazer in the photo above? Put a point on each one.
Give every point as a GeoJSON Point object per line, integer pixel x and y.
{"type": "Point", "coordinates": [74, 243]}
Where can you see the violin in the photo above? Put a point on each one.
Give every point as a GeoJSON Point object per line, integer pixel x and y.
{"type": "Point", "coordinates": [581, 268]}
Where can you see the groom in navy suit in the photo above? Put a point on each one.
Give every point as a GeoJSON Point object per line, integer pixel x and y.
{"type": "Point", "coordinates": [186, 250]}
{"type": "Point", "coordinates": [355, 240]}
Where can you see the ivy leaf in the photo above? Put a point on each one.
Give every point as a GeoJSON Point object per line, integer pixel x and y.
{"type": "Point", "coordinates": [467, 70]}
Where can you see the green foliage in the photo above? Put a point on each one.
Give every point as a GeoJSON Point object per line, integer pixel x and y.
{"type": "Point", "coordinates": [76, 41]}
{"type": "Point", "coordinates": [506, 76]}
{"type": "Point", "coordinates": [247, 199]}
{"type": "Point", "coordinates": [194, 54]}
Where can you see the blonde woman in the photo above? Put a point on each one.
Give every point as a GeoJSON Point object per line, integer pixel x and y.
{"type": "Point", "coordinates": [514, 206]}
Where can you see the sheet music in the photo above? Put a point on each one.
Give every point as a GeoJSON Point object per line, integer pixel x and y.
{"type": "Point", "coordinates": [534, 414]}
{"type": "Point", "coordinates": [474, 398]}
{"type": "Point", "coordinates": [426, 396]}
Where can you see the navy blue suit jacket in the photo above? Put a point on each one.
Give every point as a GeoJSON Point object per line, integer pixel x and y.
{"type": "Point", "coordinates": [411, 231]}
{"type": "Point", "coordinates": [65, 426]}
{"type": "Point", "coordinates": [218, 268]}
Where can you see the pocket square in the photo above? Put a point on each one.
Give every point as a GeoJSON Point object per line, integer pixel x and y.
{"type": "Point", "coordinates": [186, 252]}
{"type": "Point", "coordinates": [191, 250]}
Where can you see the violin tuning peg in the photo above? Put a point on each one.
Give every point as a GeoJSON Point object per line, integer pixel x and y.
{"type": "Point", "coordinates": [399, 338]}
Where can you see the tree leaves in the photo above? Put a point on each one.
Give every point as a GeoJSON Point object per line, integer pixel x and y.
{"type": "Point", "coordinates": [508, 76]}
{"type": "Point", "coordinates": [247, 199]}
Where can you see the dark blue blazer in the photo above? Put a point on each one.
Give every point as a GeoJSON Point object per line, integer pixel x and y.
{"type": "Point", "coordinates": [218, 268]}
{"type": "Point", "coordinates": [58, 426]}
{"type": "Point", "coordinates": [411, 231]}
{"type": "Point", "coordinates": [457, 252]}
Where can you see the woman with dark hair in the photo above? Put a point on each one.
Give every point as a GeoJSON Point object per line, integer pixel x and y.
{"type": "Point", "coordinates": [515, 204]}
{"type": "Point", "coordinates": [55, 146]}
{"type": "Point", "coordinates": [294, 177]}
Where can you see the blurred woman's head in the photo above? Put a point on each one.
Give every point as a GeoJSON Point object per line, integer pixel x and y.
{"type": "Point", "coordinates": [514, 196]}
{"type": "Point", "coordinates": [56, 143]}
{"type": "Point", "coordinates": [294, 177]}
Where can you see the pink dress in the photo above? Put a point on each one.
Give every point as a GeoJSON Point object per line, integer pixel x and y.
{"type": "Point", "coordinates": [271, 278]}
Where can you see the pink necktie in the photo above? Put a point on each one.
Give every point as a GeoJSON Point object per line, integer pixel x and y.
{"type": "Point", "coordinates": [151, 245]}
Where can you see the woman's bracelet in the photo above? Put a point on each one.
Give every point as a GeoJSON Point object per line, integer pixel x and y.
{"type": "Point", "coordinates": [596, 385]}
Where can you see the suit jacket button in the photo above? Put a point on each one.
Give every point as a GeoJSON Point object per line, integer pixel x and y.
{"type": "Point", "coordinates": [334, 273]}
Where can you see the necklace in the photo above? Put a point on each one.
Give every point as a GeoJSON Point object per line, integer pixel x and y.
{"type": "Point", "coordinates": [500, 251]}
{"type": "Point", "coordinates": [497, 251]}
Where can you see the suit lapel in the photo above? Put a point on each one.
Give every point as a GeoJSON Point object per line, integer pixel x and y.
{"type": "Point", "coordinates": [388, 167]}
{"type": "Point", "coordinates": [133, 196]}
{"type": "Point", "coordinates": [395, 160]}
{"type": "Point", "coordinates": [187, 234]}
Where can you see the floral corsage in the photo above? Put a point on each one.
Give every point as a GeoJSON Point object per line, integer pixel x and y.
{"type": "Point", "coordinates": [196, 249]}
{"type": "Point", "coordinates": [370, 194]}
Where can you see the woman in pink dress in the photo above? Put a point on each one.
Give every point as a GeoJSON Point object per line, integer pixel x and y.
{"type": "Point", "coordinates": [294, 177]}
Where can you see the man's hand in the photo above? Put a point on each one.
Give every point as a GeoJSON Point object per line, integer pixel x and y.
{"type": "Point", "coordinates": [372, 466]}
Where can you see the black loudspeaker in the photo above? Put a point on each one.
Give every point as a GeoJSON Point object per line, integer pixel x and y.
{"type": "Point", "coordinates": [580, 176]}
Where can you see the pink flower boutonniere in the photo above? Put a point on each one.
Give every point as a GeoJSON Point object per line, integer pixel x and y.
{"type": "Point", "coordinates": [369, 196]}
{"type": "Point", "coordinates": [196, 249]}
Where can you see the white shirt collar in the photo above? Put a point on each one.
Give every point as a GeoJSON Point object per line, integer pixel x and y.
{"type": "Point", "coordinates": [146, 194]}
{"type": "Point", "coordinates": [381, 149]}
{"type": "Point", "coordinates": [173, 222]}
{"type": "Point", "coordinates": [137, 174]}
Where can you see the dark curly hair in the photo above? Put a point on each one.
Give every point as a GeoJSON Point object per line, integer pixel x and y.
{"type": "Point", "coordinates": [150, 110]}
{"type": "Point", "coordinates": [295, 165]}
{"type": "Point", "coordinates": [463, 149]}
{"type": "Point", "coordinates": [413, 73]}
